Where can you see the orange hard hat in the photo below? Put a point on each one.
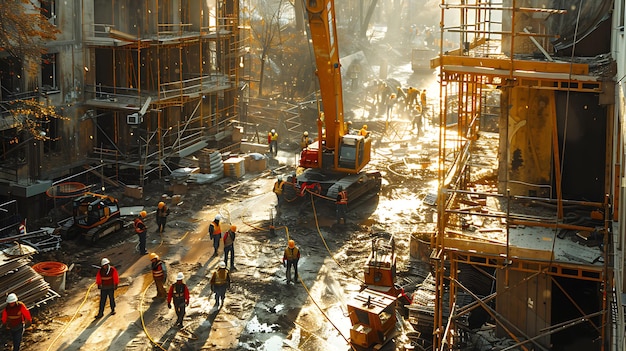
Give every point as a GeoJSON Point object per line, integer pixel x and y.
{"type": "Point", "coordinates": [143, 214]}
{"type": "Point", "coordinates": [161, 204]}
{"type": "Point", "coordinates": [233, 228]}
{"type": "Point", "coordinates": [291, 244]}
{"type": "Point", "coordinates": [365, 126]}
{"type": "Point", "coordinates": [154, 256]}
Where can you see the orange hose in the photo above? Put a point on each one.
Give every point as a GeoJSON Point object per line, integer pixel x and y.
{"type": "Point", "coordinates": [50, 268]}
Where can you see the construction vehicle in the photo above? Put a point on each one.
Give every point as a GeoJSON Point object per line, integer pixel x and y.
{"type": "Point", "coordinates": [336, 157]}
{"type": "Point", "coordinates": [373, 310]}
{"type": "Point", "coordinates": [93, 217]}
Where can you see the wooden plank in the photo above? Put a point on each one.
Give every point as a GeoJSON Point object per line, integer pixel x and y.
{"type": "Point", "coordinates": [495, 248]}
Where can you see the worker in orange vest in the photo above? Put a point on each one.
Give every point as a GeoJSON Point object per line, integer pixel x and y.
{"type": "Point", "coordinates": [220, 282]}
{"type": "Point", "coordinates": [141, 230]}
{"type": "Point", "coordinates": [159, 274]}
{"type": "Point", "coordinates": [161, 216]}
{"type": "Point", "coordinates": [216, 233]}
{"type": "Point", "coordinates": [107, 280]}
{"type": "Point", "coordinates": [13, 317]}
{"type": "Point", "coordinates": [290, 259]}
{"type": "Point", "coordinates": [342, 204]}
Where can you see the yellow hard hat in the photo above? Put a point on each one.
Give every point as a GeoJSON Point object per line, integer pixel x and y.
{"type": "Point", "coordinates": [292, 244]}
{"type": "Point", "coordinates": [161, 204]}
{"type": "Point", "coordinates": [233, 228]}
{"type": "Point", "coordinates": [365, 126]}
{"type": "Point", "coordinates": [143, 214]}
{"type": "Point", "coordinates": [154, 256]}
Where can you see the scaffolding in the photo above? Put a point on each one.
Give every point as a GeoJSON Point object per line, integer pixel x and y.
{"type": "Point", "coordinates": [515, 227]}
{"type": "Point", "coordinates": [162, 79]}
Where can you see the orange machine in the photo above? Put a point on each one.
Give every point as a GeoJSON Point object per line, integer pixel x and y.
{"type": "Point", "coordinates": [336, 157]}
{"type": "Point", "coordinates": [373, 318]}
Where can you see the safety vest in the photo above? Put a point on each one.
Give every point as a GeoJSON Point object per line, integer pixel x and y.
{"type": "Point", "coordinates": [106, 277]}
{"type": "Point", "coordinates": [221, 276]}
{"type": "Point", "coordinates": [139, 226]}
{"type": "Point", "coordinates": [363, 132]}
{"type": "Point", "coordinates": [292, 253]}
{"type": "Point", "coordinates": [343, 198]}
{"type": "Point", "coordinates": [14, 314]}
{"type": "Point", "coordinates": [304, 142]}
{"type": "Point", "coordinates": [278, 187]}
{"type": "Point", "coordinates": [272, 137]}
{"type": "Point", "coordinates": [216, 229]}
{"type": "Point", "coordinates": [157, 270]}
{"type": "Point", "coordinates": [178, 293]}
{"type": "Point", "coordinates": [229, 238]}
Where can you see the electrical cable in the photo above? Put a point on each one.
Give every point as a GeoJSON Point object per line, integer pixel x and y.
{"type": "Point", "coordinates": [73, 316]}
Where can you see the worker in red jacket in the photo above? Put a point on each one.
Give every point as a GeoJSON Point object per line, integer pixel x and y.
{"type": "Point", "coordinates": [180, 294]}
{"type": "Point", "coordinates": [107, 280]}
{"type": "Point", "coordinates": [13, 317]}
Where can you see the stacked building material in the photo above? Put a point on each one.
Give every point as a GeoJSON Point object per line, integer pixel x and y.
{"type": "Point", "coordinates": [17, 276]}
{"type": "Point", "coordinates": [42, 240]}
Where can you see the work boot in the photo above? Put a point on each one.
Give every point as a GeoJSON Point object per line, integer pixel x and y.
{"type": "Point", "coordinates": [232, 268]}
{"type": "Point", "coordinates": [98, 316]}
{"type": "Point", "coordinates": [112, 312]}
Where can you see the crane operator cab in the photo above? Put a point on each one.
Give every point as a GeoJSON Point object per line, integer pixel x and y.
{"type": "Point", "coordinates": [352, 151]}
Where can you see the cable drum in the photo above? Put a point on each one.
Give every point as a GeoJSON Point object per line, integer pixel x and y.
{"type": "Point", "coordinates": [53, 273]}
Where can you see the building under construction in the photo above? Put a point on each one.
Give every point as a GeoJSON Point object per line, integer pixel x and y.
{"type": "Point", "coordinates": [533, 245]}
{"type": "Point", "coordinates": [143, 83]}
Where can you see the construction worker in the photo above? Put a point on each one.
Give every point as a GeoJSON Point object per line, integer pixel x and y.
{"type": "Point", "coordinates": [278, 190]}
{"type": "Point", "coordinates": [412, 97]}
{"type": "Point", "coordinates": [159, 274]}
{"type": "Point", "coordinates": [305, 141]}
{"type": "Point", "coordinates": [180, 294]}
{"type": "Point", "coordinates": [423, 101]}
{"type": "Point", "coordinates": [363, 132]}
{"type": "Point", "coordinates": [220, 282]}
{"type": "Point", "coordinates": [161, 216]}
{"type": "Point", "coordinates": [229, 246]}
{"type": "Point", "coordinates": [216, 233]}
{"type": "Point", "coordinates": [141, 230]}
{"type": "Point", "coordinates": [290, 259]}
{"type": "Point", "coordinates": [416, 122]}
{"type": "Point", "coordinates": [13, 317]}
{"type": "Point", "coordinates": [107, 280]}
{"type": "Point", "coordinates": [342, 204]}
{"type": "Point", "coordinates": [391, 102]}
{"type": "Point", "coordinates": [272, 140]}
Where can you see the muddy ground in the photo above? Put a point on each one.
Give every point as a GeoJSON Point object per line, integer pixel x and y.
{"type": "Point", "coordinates": [261, 311]}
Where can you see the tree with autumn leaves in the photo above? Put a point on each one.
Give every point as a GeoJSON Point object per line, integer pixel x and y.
{"type": "Point", "coordinates": [24, 30]}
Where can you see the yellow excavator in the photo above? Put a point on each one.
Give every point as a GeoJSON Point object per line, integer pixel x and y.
{"type": "Point", "coordinates": [337, 158]}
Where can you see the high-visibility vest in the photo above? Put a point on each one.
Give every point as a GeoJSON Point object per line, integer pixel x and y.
{"type": "Point", "coordinates": [178, 293]}
{"type": "Point", "coordinates": [107, 277]}
{"type": "Point", "coordinates": [139, 226]}
{"type": "Point", "coordinates": [221, 276]}
{"type": "Point", "coordinates": [292, 253]}
{"type": "Point", "coordinates": [157, 270]}
{"type": "Point", "coordinates": [343, 198]}
{"type": "Point", "coordinates": [216, 229]}
{"type": "Point", "coordinates": [272, 137]}
{"type": "Point", "coordinates": [229, 238]}
{"type": "Point", "coordinates": [14, 314]}
{"type": "Point", "coordinates": [278, 187]}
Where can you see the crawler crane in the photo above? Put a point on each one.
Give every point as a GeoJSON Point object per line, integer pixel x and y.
{"type": "Point", "coordinates": [336, 158]}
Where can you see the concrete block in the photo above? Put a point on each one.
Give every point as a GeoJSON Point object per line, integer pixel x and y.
{"type": "Point", "coordinates": [134, 191]}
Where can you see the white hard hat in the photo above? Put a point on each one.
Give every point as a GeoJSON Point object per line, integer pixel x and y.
{"type": "Point", "coordinates": [104, 261]}
{"type": "Point", "coordinates": [180, 276]}
{"type": "Point", "coordinates": [306, 133]}
{"type": "Point", "coordinates": [218, 217]}
{"type": "Point", "coordinates": [222, 264]}
{"type": "Point", "coordinates": [11, 298]}
{"type": "Point", "coordinates": [273, 130]}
